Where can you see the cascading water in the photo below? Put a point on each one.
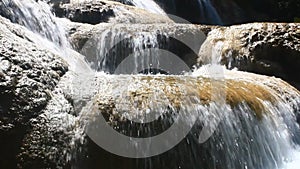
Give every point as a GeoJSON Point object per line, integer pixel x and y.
{"type": "Point", "coordinates": [37, 17]}
{"type": "Point", "coordinates": [106, 51]}
{"type": "Point", "coordinates": [208, 12]}
{"type": "Point", "coordinates": [242, 140]}
{"type": "Point", "coordinates": [148, 5]}
{"type": "Point", "coordinates": [257, 129]}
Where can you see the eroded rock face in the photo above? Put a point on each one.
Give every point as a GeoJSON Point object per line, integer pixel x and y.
{"type": "Point", "coordinates": [238, 87]}
{"type": "Point", "coordinates": [265, 48]}
{"type": "Point", "coordinates": [81, 33]}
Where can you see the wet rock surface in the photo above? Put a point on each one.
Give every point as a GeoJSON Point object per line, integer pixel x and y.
{"type": "Point", "coordinates": [79, 34]}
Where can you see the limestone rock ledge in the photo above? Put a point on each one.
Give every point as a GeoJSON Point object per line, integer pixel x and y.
{"type": "Point", "coordinates": [264, 48]}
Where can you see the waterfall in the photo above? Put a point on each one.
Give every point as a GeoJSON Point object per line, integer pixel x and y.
{"type": "Point", "coordinates": [252, 126]}
{"type": "Point", "coordinates": [149, 5]}
{"type": "Point", "coordinates": [113, 46]}
{"type": "Point", "coordinates": [208, 12]}
{"type": "Point", "coordinates": [37, 17]}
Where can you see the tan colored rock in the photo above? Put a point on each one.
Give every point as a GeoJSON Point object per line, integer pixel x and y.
{"type": "Point", "coordinates": [145, 92]}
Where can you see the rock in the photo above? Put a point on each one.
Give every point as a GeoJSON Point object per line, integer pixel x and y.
{"type": "Point", "coordinates": [238, 87]}
{"type": "Point", "coordinates": [106, 11]}
{"type": "Point", "coordinates": [81, 33]}
{"type": "Point", "coordinates": [54, 134]}
{"type": "Point", "coordinates": [28, 74]}
{"type": "Point", "coordinates": [265, 48]}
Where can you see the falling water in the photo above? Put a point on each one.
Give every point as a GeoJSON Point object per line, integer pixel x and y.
{"type": "Point", "coordinates": [37, 17]}
{"type": "Point", "coordinates": [208, 12]}
{"type": "Point", "coordinates": [148, 5]}
{"type": "Point", "coordinates": [114, 46]}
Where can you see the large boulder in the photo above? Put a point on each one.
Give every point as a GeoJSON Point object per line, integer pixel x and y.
{"type": "Point", "coordinates": [265, 48]}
